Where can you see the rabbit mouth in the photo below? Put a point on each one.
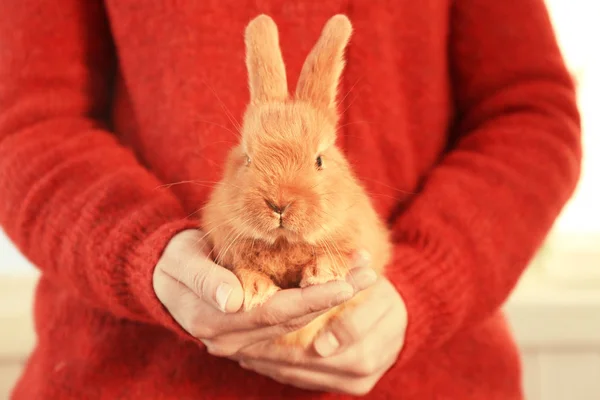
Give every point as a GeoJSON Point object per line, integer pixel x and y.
{"type": "Point", "coordinates": [284, 231]}
{"type": "Point", "coordinates": [282, 227]}
{"type": "Point", "coordinates": [280, 222]}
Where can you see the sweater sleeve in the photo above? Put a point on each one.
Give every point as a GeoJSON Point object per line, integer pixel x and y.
{"type": "Point", "coordinates": [462, 243]}
{"type": "Point", "coordinates": [73, 199]}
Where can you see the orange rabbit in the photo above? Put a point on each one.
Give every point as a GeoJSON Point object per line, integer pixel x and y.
{"type": "Point", "coordinates": [289, 211]}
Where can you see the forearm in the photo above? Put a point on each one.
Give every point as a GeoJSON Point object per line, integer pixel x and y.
{"type": "Point", "coordinates": [465, 239]}
{"type": "Point", "coordinates": [74, 200]}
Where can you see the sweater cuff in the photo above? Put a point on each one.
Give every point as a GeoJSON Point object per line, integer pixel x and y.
{"type": "Point", "coordinates": [144, 258]}
{"type": "Point", "coordinates": [434, 295]}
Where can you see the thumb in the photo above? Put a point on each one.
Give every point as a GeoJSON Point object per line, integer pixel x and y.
{"type": "Point", "coordinates": [186, 261]}
{"type": "Point", "coordinates": [217, 285]}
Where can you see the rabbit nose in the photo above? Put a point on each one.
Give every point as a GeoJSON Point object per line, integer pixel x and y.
{"type": "Point", "coordinates": [278, 208]}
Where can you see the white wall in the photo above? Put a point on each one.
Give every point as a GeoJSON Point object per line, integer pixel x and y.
{"type": "Point", "coordinates": [11, 261]}
{"type": "Point", "coordinates": [578, 32]}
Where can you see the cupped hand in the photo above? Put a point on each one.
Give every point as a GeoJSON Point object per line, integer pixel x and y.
{"type": "Point", "coordinates": [349, 356]}
{"type": "Point", "coordinates": [204, 298]}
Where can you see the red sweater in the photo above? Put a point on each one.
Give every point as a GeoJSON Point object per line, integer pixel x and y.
{"type": "Point", "coordinates": [467, 104]}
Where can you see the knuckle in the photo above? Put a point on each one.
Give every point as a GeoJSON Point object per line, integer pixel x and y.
{"type": "Point", "coordinates": [203, 332]}
{"type": "Point", "coordinates": [196, 324]}
{"type": "Point", "coordinates": [201, 278]}
{"type": "Point", "coordinates": [363, 369]}
{"type": "Point", "coordinates": [218, 349]}
{"type": "Point", "coordinates": [285, 376]}
{"type": "Point", "coordinates": [341, 328]}
{"type": "Point", "coordinates": [222, 352]}
{"type": "Point", "coordinates": [197, 333]}
{"type": "Point", "coordinates": [160, 286]}
{"type": "Point", "coordinates": [209, 333]}
{"type": "Point", "coordinates": [365, 363]}
{"type": "Point", "coordinates": [269, 318]}
{"type": "Point", "coordinates": [309, 305]}
{"type": "Point", "coordinates": [369, 367]}
{"type": "Point", "coordinates": [198, 282]}
{"type": "Point", "coordinates": [294, 325]}
{"type": "Point", "coordinates": [249, 352]}
{"type": "Point", "coordinates": [278, 378]}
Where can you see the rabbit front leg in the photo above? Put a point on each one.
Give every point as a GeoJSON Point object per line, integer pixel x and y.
{"type": "Point", "coordinates": [258, 287]}
{"type": "Point", "coordinates": [324, 269]}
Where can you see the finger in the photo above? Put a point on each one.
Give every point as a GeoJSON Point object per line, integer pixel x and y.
{"type": "Point", "coordinates": [353, 324]}
{"type": "Point", "coordinates": [361, 278]}
{"type": "Point", "coordinates": [369, 356]}
{"type": "Point", "coordinates": [195, 315]}
{"type": "Point", "coordinates": [254, 337]}
{"type": "Point", "coordinates": [318, 380]}
{"type": "Point", "coordinates": [285, 377]}
{"type": "Point", "coordinates": [361, 259]}
{"type": "Point", "coordinates": [361, 359]}
{"type": "Point", "coordinates": [349, 328]}
{"type": "Point", "coordinates": [290, 304]}
{"type": "Point", "coordinates": [188, 264]}
{"type": "Point", "coordinates": [361, 275]}
{"type": "Point", "coordinates": [215, 284]}
{"type": "Point", "coordinates": [287, 311]}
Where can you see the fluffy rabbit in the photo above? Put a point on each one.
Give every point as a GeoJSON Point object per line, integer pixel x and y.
{"type": "Point", "coordinates": [289, 211]}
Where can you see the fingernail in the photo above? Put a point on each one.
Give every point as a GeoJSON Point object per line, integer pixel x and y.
{"type": "Point", "coordinates": [326, 344]}
{"type": "Point", "coordinates": [223, 292]}
{"type": "Point", "coordinates": [362, 259]}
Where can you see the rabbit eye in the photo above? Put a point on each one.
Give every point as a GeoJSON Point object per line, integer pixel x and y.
{"type": "Point", "coordinates": [248, 160]}
{"type": "Point", "coordinates": [319, 162]}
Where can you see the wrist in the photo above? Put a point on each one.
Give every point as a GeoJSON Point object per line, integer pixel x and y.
{"type": "Point", "coordinates": [419, 282]}
{"type": "Point", "coordinates": [148, 253]}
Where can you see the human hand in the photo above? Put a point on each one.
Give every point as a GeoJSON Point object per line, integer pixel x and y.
{"type": "Point", "coordinates": [204, 298]}
{"type": "Point", "coordinates": [349, 356]}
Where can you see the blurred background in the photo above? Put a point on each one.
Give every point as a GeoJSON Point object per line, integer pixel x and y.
{"type": "Point", "coordinates": [555, 310]}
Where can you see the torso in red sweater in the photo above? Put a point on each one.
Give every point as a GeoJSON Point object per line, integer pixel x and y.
{"type": "Point", "coordinates": [459, 119]}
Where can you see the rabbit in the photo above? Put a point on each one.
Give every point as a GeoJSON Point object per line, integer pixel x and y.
{"type": "Point", "coordinates": [289, 211]}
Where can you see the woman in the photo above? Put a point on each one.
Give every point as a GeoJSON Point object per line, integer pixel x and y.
{"type": "Point", "coordinates": [467, 104]}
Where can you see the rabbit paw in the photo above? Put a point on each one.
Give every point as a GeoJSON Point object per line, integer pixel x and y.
{"type": "Point", "coordinates": [258, 288]}
{"type": "Point", "coordinates": [321, 272]}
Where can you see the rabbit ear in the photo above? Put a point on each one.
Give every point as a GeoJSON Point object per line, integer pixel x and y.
{"type": "Point", "coordinates": [322, 69]}
{"type": "Point", "coordinates": [266, 70]}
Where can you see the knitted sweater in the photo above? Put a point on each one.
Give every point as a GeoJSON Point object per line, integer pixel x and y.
{"type": "Point", "coordinates": [459, 118]}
